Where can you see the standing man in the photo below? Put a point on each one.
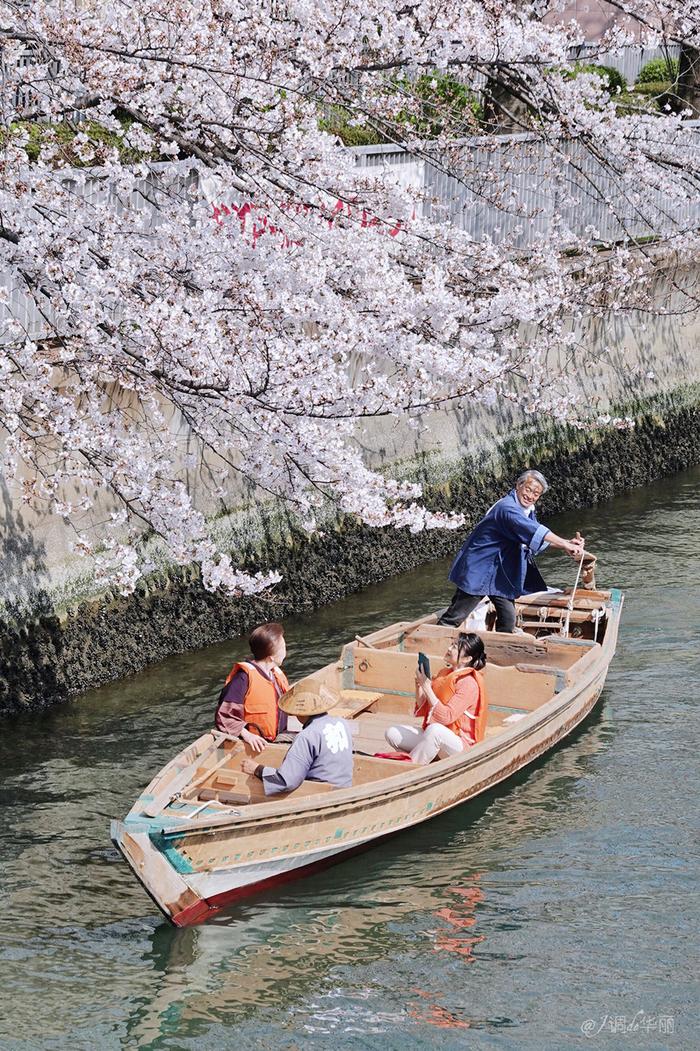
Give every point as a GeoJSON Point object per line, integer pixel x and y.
{"type": "Point", "coordinates": [321, 752]}
{"type": "Point", "coordinates": [496, 559]}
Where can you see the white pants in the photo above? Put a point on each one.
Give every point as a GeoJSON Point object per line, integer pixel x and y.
{"type": "Point", "coordinates": [424, 745]}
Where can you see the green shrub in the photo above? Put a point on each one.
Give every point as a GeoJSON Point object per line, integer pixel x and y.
{"type": "Point", "coordinates": [445, 104]}
{"type": "Point", "coordinates": [636, 102]}
{"type": "Point", "coordinates": [659, 96]}
{"type": "Point", "coordinates": [338, 122]}
{"type": "Point", "coordinates": [652, 87]}
{"type": "Point", "coordinates": [614, 81]}
{"type": "Point", "coordinates": [659, 69]}
{"type": "Point", "coordinates": [62, 135]}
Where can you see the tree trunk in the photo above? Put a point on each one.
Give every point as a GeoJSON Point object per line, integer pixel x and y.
{"type": "Point", "coordinates": [504, 112]}
{"type": "Point", "coordinates": [689, 80]}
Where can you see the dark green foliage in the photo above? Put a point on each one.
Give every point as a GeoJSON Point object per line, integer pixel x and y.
{"type": "Point", "coordinates": [436, 103]}
{"type": "Point", "coordinates": [338, 122]}
{"type": "Point", "coordinates": [63, 136]}
{"type": "Point", "coordinates": [634, 102]}
{"type": "Point", "coordinates": [660, 96]}
{"type": "Point", "coordinates": [444, 104]}
{"type": "Point", "coordinates": [659, 69]}
{"type": "Point", "coordinates": [652, 87]}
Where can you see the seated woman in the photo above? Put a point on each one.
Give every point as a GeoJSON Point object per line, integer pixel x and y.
{"type": "Point", "coordinates": [453, 705]}
{"type": "Point", "coordinates": [249, 702]}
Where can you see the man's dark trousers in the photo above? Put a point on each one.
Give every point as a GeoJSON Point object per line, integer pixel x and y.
{"type": "Point", "coordinates": [462, 604]}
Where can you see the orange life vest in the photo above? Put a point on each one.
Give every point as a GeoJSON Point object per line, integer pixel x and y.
{"type": "Point", "coordinates": [260, 711]}
{"type": "Point", "coordinates": [444, 685]}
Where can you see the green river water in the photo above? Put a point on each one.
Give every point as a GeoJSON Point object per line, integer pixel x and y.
{"type": "Point", "coordinates": [557, 911]}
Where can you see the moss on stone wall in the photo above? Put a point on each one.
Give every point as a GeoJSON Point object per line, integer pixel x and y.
{"type": "Point", "coordinates": [47, 659]}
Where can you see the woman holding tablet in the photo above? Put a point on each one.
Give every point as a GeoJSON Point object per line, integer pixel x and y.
{"type": "Point", "coordinates": [453, 705]}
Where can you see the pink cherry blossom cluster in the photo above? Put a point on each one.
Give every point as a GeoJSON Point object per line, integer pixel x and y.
{"type": "Point", "coordinates": [222, 309]}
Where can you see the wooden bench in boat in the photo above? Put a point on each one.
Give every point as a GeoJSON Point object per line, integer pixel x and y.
{"type": "Point", "coordinates": [368, 735]}
{"type": "Point", "coordinates": [548, 611]}
{"type": "Point", "coordinates": [371, 726]}
{"type": "Point", "coordinates": [522, 688]}
{"type": "Point", "coordinates": [231, 786]}
{"type": "Point", "coordinates": [228, 784]}
{"type": "Point", "coordinates": [352, 702]}
{"type": "Point", "coordinates": [367, 768]}
{"type": "Point", "coordinates": [501, 649]}
{"type": "Point", "coordinates": [583, 599]}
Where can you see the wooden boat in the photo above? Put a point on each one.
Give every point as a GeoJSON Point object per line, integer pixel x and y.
{"type": "Point", "coordinates": [203, 835]}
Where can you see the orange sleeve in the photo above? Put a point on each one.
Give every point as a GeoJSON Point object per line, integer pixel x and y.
{"type": "Point", "coordinates": [463, 701]}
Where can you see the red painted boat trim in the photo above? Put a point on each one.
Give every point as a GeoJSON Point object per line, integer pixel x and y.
{"type": "Point", "coordinates": [205, 908]}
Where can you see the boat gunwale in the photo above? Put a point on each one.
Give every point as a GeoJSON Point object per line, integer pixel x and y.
{"type": "Point", "coordinates": [258, 814]}
{"type": "Point", "coordinates": [351, 845]}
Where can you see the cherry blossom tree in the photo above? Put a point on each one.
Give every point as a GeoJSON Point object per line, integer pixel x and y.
{"type": "Point", "coordinates": [203, 255]}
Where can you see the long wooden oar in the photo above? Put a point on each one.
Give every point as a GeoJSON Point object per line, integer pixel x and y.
{"type": "Point", "coordinates": [570, 603]}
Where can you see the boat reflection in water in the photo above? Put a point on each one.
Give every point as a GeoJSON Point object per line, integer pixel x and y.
{"type": "Point", "coordinates": [439, 893]}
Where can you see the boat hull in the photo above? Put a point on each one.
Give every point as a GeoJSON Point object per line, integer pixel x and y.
{"type": "Point", "coordinates": [220, 861]}
{"type": "Point", "coordinates": [258, 879]}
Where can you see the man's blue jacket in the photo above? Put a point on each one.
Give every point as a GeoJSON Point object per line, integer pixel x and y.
{"type": "Point", "coordinates": [496, 557]}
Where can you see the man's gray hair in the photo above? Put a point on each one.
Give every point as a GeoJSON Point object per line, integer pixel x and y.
{"type": "Point", "coordinates": [535, 476]}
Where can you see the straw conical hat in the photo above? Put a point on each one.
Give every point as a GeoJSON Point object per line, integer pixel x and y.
{"type": "Point", "coordinates": [309, 698]}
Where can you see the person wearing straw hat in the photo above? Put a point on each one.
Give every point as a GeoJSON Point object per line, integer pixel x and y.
{"type": "Point", "coordinates": [322, 751]}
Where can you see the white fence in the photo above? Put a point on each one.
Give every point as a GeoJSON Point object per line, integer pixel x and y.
{"type": "Point", "coordinates": [513, 189]}
{"type": "Point", "coordinates": [627, 60]}
{"type": "Point", "coordinates": [517, 189]}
